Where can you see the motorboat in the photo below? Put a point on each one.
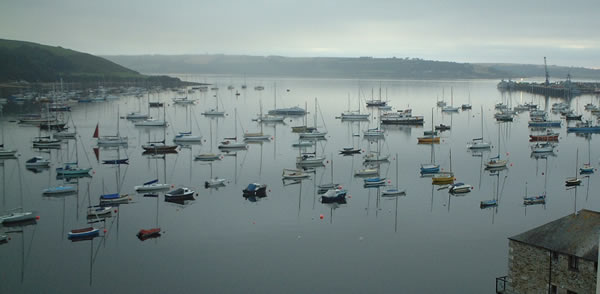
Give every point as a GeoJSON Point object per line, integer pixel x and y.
{"type": "Point", "coordinates": [255, 190]}
{"type": "Point", "coordinates": [182, 193]}
{"type": "Point", "coordinates": [334, 196]}
{"type": "Point", "coordinates": [148, 234]}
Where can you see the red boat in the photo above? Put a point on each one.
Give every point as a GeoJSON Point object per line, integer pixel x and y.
{"type": "Point", "coordinates": [548, 136]}
{"type": "Point", "coordinates": [147, 234]}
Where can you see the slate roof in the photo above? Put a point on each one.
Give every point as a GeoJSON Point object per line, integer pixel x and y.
{"type": "Point", "coordinates": [574, 234]}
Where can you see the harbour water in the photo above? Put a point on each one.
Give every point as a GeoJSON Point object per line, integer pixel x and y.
{"type": "Point", "coordinates": [427, 241]}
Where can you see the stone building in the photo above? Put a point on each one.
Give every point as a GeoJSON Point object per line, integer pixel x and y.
{"type": "Point", "coordinates": [558, 257]}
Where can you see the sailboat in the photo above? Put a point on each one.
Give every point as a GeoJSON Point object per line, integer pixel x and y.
{"type": "Point", "coordinates": [314, 134]}
{"type": "Point", "coordinates": [354, 115]}
{"type": "Point", "coordinates": [159, 146]}
{"type": "Point", "coordinates": [303, 128]}
{"type": "Point", "coordinates": [495, 162]}
{"type": "Point", "coordinates": [71, 169]}
{"type": "Point", "coordinates": [444, 178]}
{"type": "Point", "coordinates": [110, 140]}
{"type": "Point", "coordinates": [467, 106]}
{"type": "Point", "coordinates": [209, 156]}
{"type": "Point", "coordinates": [139, 115]}
{"type": "Point", "coordinates": [587, 168]}
{"type": "Point", "coordinates": [478, 143]}
{"type": "Point", "coordinates": [574, 181]}
{"type": "Point", "coordinates": [258, 136]}
{"type": "Point", "coordinates": [432, 138]}
{"type": "Point", "coordinates": [232, 143]}
{"type": "Point", "coordinates": [430, 168]}
{"type": "Point", "coordinates": [394, 191]}
{"type": "Point", "coordinates": [270, 117]}
{"type": "Point", "coordinates": [187, 137]}
{"type": "Point", "coordinates": [450, 108]}
{"type": "Point", "coordinates": [332, 185]}
{"type": "Point", "coordinates": [153, 185]}
{"type": "Point", "coordinates": [532, 200]}
{"type": "Point", "coordinates": [214, 111]}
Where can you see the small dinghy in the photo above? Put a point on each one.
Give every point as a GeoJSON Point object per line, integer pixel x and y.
{"type": "Point", "coordinates": [216, 182]}
{"type": "Point", "coordinates": [84, 234]}
{"type": "Point", "coordinates": [256, 190]}
{"type": "Point", "coordinates": [182, 193]}
{"type": "Point", "coordinates": [460, 188]}
{"type": "Point", "coordinates": [334, 196]}
{"type": "Point", "coordinates": [148, 234]}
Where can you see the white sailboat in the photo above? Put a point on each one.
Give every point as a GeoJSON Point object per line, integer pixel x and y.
{"type": "Point", "coordinates": [394, 191]}
{"type": "Point", "coordinates": [214, 111]}
{"type": "Point", "coordinates": [232, 143]}
{"type": "Point", "coordinates": [495, 162]}
{"type": "Point", "coordinates": [187, 137]}
{"type": "Point", "coordinates": [479, 143]}
{"type": "Point", "coordinates": [313, 134]}
{"type": "Point", "coordinates": [110, 140]}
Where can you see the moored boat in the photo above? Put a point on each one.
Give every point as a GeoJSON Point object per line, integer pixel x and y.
{"type": "Point", "coordinates": [85, 233]}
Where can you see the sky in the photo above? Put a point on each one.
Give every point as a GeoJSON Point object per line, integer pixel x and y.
{"type": "Point", "coordinates": [566, 32]}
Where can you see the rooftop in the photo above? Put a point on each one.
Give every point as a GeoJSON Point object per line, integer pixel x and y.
{"type": "Point", "coordinates": [574, 234]}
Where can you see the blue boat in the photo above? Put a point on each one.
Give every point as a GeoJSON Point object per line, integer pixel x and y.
{"type": "Point", "coordinates": [545, 123]}
{"type": "Point", "coordinates": [334, 196]}
{"type": "Point", "coordinates": [72, 169]}
{"type": "Point", "coordinates": [374, 182]}
{"type": "Point", "coordinates": [83, 234]}
{"type": "Point", "coordinates": [59, 190]}
{"type": "Point", "coordinates": [430, 168]}
{"type": "Point", "coordinates": [113, 198]}
{"type": "Point", "coordinates": [488, 203]}
{"type": "Point", "coordinates": [584, 127]}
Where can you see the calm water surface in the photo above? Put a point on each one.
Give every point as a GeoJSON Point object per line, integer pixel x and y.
{"type": "Point", "coordinates": [424, 242]}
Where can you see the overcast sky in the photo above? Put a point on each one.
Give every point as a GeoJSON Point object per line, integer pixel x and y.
{"type": "Point", "coordinates": [567, 32]}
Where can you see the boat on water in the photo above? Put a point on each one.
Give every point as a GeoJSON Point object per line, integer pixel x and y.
{"type": "Point", "coordinates": [17, 217]}
{"type": "Point", "coordinates": [215, 182]}
{"type": "Point", "coordinates": [114, 198]}
{"type": "Point", "coordinates": [402, 117]}
{"type": "Point", "coordinates": [255, 190]}
{"type": "Point", "coordinates": [304, 143]}
{"type": "Point", "coordinates": [232, 145]}
{"type": "Point", "coordinates": [309, 159]}
{"type": "Point", "coordinates": [574, 181]}
{"type": "Point", "coordinates": [543, 122]}
{"type": "Point", "coordinates": [541, 199]}
{"type": "Point", "coordinates": [395, 191]}
{"type": "Point", "coordinates": [488, 203]}
{"type": "Point", "coordinates": [46, 142]}
{"type": "Point", "coordinates": [85, 233]}
{"type": "Point", "coordinates": [294, 174]}
{"type": "Point", "coordinates": [303, 129]}
{"type": "Point", "coordinates": [349, 151]}
{"type": "Point", "coordinates": [314, 134]}
{"type": "Point", "coordinates": [587, 168]}
{"type": "Point", "coordinates": [584, 127]}
{"type": "Point", "coordinates": [64, 135]}
{"type": "Point", "coordinates": [136, 116]}
{"type": "Point", "coordinates": [182, 193]}
{"type": "Point", "coordinates": [183, 100]}
{"type": "Point", "coordinates": [571, 115]}
{"type": "Point", "coordinates": [290, 111]}
{"type": "Point", "coordinates": [374, 182]}
{"type": "Point", "coordinates": [365, 172]}
{"type": "Point", "coordinates": [153, 185]}
{"type": "Point", "coordinates": [442, 127]}
{"type": "Point", "coordinates": [148, 234]}
{"type": "Point", "coordinates": [115, 140]}
{"type": "Point", "coordinates": [542, 147]}
{"type": "Point", "coordinates": [116, 161]}
{"type": "Point", "coordinates": [187, 137]}
{"type": "Point", "coordinates": [60, 190]}
{"type": "Point", "coordinates": [150, 122]}
{"type": "Point", "coordinates": [37, 161]}
{"type": "Point", "coordinates": [159, 147]}
{"type": "Point", "coordinates": [99, 211]}
{"type": "Point", "coordinates": [479, 143]}
{"type": "Point", "coordinates": [59, 107]}
{"type": "Point", "coordinates": [430, 168]}
{"type": "Point", "coordinates": [4, 152]}
{"type": "Point", "coordinates": [459, 188]}
{"type": "Point", "coordinates": [71, 169]}
{"type": "Point", "coordinates": [548, 136]}
{"type": "Point", "coordinates": [496, 162]}
{"type": "Point", "coordinates": [334, 196]}
{"type": "Point", "coordinates": [208, 157]}
{"type": "Point", "coordinates": [351, 115]}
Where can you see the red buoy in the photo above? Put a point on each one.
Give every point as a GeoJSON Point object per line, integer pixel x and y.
{"type": "Point", "coordinates": [321, 216]}
{"type": "Point", "coordinates": [37, 217]}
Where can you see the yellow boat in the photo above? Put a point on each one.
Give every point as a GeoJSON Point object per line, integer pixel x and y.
{"type": "Point", "coordinates": [443, 178]}
{"type": "Point", "coordinates": [428, 140]}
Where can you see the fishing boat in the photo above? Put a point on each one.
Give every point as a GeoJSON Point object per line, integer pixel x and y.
{"type": "Point", "coordinates": [574, 181]}
{"type": "Point", "coordinates": [17, 217]}
{"type": "Point", "coordinates": [459, 188]}
{"type": "Point", "coordinates": [114, 198]}
{"type": "Point", "coordinates": [60, 190]}
{"type": "Point", "coordinates": [148, 234]}
{"type": "Point", "coordinates": [294, 174]}
{"type": "Point", "coordinates": [334, 196]}
{"type": "Point", "coordinates": [255, 190]}
{"type": "Point", "coordinates": [37, 161]}
{"type": "Point", "coordinates": [584, 127]}
{"type": "Point", "coordinates": [214, 182]}
{"type": "Point", "coordinates": [374, 182]}
{"type": "Point", "coordinates": [182, 193]}
{"type": "Point", "coordinates": [402, 117]}
{"type": "Point", "coordinates": [548, 136]}
{"type": "Point", "coordinates": [84, 233]}
{"type": "Point", "coordinates": [153, 185]}
{"type": "Point", "coordinates": [394, 191]}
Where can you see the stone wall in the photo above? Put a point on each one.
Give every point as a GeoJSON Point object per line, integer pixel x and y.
{"type": "Point", "coordinates": [528, 268]}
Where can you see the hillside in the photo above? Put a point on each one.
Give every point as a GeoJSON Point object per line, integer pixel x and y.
{"type": "Point", "coordinates": [363, 67]}
{"type": "Point", "coordinates": [35, 63]}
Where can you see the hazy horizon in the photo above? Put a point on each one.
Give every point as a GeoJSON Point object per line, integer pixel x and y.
{"type": "Point", "coordinates": [464, 31]}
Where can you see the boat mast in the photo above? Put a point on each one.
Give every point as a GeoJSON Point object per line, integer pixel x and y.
{"type": "Point", "coordinates": [315, 112]}
{"type": "Point", "coordinates": [397, 171]}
